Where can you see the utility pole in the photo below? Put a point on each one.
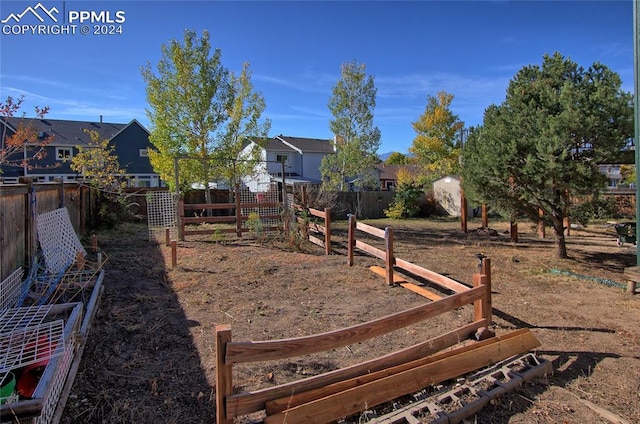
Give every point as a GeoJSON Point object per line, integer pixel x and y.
{"type": "Point", "coordinates": [636, 111]}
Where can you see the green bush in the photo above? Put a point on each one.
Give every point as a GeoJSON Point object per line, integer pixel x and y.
{"type": "Point", "coordinates": [586, 212]}
{"type": "Point", "coordinates": [406, 204]}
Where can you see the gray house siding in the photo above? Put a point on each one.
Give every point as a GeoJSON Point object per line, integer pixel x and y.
{"type": "Point", "coordinates": [128, 140]}
{"type": "Point", "coordinates": [128, 143]}
{"type": "Point", "coordinates": [311, 165]}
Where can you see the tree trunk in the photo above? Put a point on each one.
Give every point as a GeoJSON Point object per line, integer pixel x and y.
{"type": "Point", "coordinates": [558, 230]}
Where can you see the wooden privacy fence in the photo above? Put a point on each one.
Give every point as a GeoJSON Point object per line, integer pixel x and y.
{"type": "Point", "coordinates": [335, 394]}
{"type": "Point", "coordinates": [19, 206]}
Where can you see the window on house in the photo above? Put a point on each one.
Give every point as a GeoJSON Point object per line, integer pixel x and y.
{"type": "Point", "coordinates": [144, 153]}
{"type": "Point", "coordinates": [281, 158]}
{"type": "Point", "coordinates": [143, 182]}
{"type": "Point", "coordinates": [64, 153]}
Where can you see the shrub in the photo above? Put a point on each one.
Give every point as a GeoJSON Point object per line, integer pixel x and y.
{"type": "Point", "coordinates": [406, 203]}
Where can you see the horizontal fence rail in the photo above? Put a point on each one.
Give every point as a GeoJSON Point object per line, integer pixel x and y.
{"type": "Point", "coordinates": [228, 352]}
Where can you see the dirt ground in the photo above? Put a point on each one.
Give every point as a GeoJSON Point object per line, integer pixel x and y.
{"type": "Point", "coordinates": [150, 356]}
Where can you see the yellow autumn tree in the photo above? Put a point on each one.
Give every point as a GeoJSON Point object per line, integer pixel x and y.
{"type": "Point", "coordinates": [98, 164]}
{"type": "Point", "coordinates": [436, 148]}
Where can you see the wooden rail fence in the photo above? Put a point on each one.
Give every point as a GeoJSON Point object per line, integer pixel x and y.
{"type": "Point", "coordinates": [325, 397]}
{"type": "Point", "coordinates": [391, 262]}
{"type": "Point", "coordinates": [308, 226]}
{"type": "Point", "coordinates": [330, 396]}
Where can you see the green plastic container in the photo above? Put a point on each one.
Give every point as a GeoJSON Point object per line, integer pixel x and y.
{"type": "Point", "coordinates": [7, 387]}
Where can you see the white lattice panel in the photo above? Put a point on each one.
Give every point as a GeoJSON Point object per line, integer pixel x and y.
{"type": "Point", "coordinates": [26, 339]}
{"type": "Point", "coordinates": [10, 289]}
{"type": "Point", "coordinates": [58, 240]}
{"type": "Point", "coordinates": [161, 214]}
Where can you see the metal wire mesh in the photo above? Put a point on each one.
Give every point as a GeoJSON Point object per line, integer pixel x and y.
{"type": "Point", "coordinates": [268, 194]}
{"type": "Point", "coordinates": [26, 339]}
{"type": "Point", "coordinates": [161, 214]}
{"type": "Point", "coordinates": [53, 390]}
{"type": "Point", "coordinates": [10, 289]}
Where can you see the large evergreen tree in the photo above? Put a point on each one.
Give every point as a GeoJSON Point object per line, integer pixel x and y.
{"type": "Point", "coordinates": [356, 138]}
{"type": "Point", "coordinates": [542, 145]}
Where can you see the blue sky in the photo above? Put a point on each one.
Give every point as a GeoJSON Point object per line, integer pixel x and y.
{"type": "Point", "coordinates": [470, 49]}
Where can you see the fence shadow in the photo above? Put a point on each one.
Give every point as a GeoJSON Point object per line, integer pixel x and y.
{"type": "Point", "coordinates": [140, 363]}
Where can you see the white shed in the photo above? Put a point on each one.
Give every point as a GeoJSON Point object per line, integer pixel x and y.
{"type": "Point", "coordinates": [446, 191]}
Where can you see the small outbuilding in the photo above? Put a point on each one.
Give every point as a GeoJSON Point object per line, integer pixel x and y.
{"type": "Point", "coordinates": [446, 191]}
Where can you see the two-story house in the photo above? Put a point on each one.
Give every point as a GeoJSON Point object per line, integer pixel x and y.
{"type": "Point", "coordinates": [301, 158]}
{"type": "Point", "coordinates": [130, 141]}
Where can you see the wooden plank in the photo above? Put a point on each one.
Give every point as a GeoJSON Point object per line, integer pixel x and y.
{"type": "Point", "coordinates": [421, 291]}
{"type": "Point", "coordinates": [432, 276]}
{"type": "Point", "coordinates": [316, 212]}
{"type": "Point", "coordinates": [262, 217]}
{"type": "Point", "coordinates": [218, 230]}
{"type": "Point", "coordinates": [260, 205]}
{"type": "Point", "coordinates": [374, 251]}
{"type": "Point", "coordinates": [369, 229]}
{"type": "Point", "coordinates": [248, 402]}
{"type": "Point", "coordinates": [317, 228]}
{"type": "Point", "coordinates": [193, 206]}
{"type": "Point", "coordinates": [279, 405]}
{"type": "Point", "coordinates": [407, 285]}
{"type": "Point", "coordinates": [382, 272]}
{"type": "Point", "coordinates": [389, 259]}
{"type": "Point", "coordinates": [316, 240]}
{"type": "Point", "coordinates": [208, 219]}
{"type": "Point", "coordinates": [385, 389]}
{"type": "Point", "coordinates": [351, 239]}
{"type": "Point", "coordinates": [327, 232]}
{"type": "Point", "coordinates": [238, 352]}
{"type": "Point", "coordinates": [224, 376]}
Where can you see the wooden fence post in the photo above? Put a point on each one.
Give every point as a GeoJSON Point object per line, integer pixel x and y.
{"type": "Point", "coordinates": [482, 307]}
{"type": "Point", "coordinates": [174, 254]}
{"type": "Point", "coordinates": [513, 231]}
{"type": "Point", "coordinates": [485, 216]}
{"type": "Point", "coordinates": [463, 209]}
{"type": "Point", "coordinates": [224, 374]}
{"type": "Point", "coordinates": [304, 196]}
{"type": "Point", "coordinates": [389, 258]}
{"type": "Point", "coordinates": [351, 239]}
{"type": "Point", "coordinates": [167, 236]}
{"type": "Point", "coordinates": [327, 231]}
{"type": "Point", "coordinates": [486, 270]}
{"type": "Point", "coordinates": [238, 212]}
{"type": "Point", "coordinates": [180, 219]}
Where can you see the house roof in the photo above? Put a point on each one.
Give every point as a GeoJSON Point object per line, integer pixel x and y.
{"type": "Point", "coordinates": [68, 133]}
{"type": "Point", "coordinates": [274, 144]}
{"type": "Point", "coordinates": [390, 172]}
{"type": "Point", "coordinates": [307, 145]}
